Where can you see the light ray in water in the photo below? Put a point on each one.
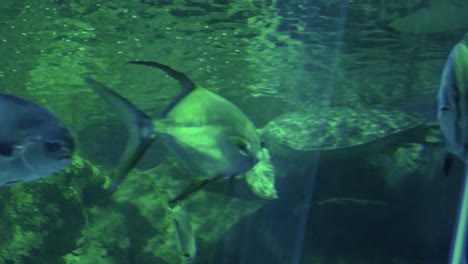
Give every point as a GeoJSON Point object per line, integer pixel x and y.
{"type": "Point", "coordinates": [458, 247]}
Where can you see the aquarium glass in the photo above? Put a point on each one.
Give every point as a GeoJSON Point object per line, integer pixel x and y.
{"type": "Point", "coordinates": [241, 131]}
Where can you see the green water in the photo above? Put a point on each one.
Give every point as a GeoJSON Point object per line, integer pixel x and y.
{"type": "Point", "coordinates": [268, 58]}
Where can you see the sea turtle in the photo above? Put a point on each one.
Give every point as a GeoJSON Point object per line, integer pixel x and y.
{"type": "Point", "coordinates": [343, 132]}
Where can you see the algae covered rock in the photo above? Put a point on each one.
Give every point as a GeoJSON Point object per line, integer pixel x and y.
{"type": "Point", "coordinates": [103, 239]}
{"type": "Point", "coordinates": [46, 216]}
{"type": "Point", "coordinates": [143, 197]}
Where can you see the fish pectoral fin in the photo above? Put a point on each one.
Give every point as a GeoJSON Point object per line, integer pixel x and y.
{"type": "Point", "coordinates": [194, 186]}
{"type": "Point", "coordinates": [139, 125]}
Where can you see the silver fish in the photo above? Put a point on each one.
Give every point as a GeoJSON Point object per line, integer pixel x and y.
{"type": "Point", "coordinates": [453, 101]}
{"type": "Point", "coordinates": [453, 120]}
{"type": "Point", "coordinates": [33, 142]}
{"type": "Point", "coordinates": [209, 135]}
{"type": "Point", "coordinates": [185, 235]}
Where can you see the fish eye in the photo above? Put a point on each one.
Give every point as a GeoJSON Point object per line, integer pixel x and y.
{"type": "Point", "coordinates": [243, 147]}
{"type": "Point", "coordinates": [53, 145]}
{"type": "Point", "coordinates": [445, 108]}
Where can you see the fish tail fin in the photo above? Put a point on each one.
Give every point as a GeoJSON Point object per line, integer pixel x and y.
{"type": "Point", "coordinates": [140, 129]}
{"type": "Point", "coordinates": [184, 81]}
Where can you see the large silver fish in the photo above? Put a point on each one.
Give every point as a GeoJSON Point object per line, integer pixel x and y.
{"type": "Point", "coordinates": [33, 142]}
{"type": "Point", "coordinates": [209, 135]}
{"type": "Point", "coordinates": [453, 101]}
{"type": "Point", "coordinates": [185, 235]}
{"type": "Point", "coordinates": [453, 119]}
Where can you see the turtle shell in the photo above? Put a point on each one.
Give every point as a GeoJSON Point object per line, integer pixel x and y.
{"type": "Point", "coordinates": [341, 128]}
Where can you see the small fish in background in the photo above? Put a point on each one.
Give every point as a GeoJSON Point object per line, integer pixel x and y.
{"type": "Point", "coordinates": [339, 201]}
{"type": "Point", "coordinates": [185, 235]}
{"type": "Point", "coordinates": [33, 142]}
{"type": "Point", "coordinates": [210, 136]}
{"type": "Point", "coordinates": [453, 120]}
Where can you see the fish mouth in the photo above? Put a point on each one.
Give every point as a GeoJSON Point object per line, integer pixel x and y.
{"type": "Point", "coordinates": [66, 153]}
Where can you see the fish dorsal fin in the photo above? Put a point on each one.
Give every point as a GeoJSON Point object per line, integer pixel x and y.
{"type": "Point", "coordinates": [185, 82]}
